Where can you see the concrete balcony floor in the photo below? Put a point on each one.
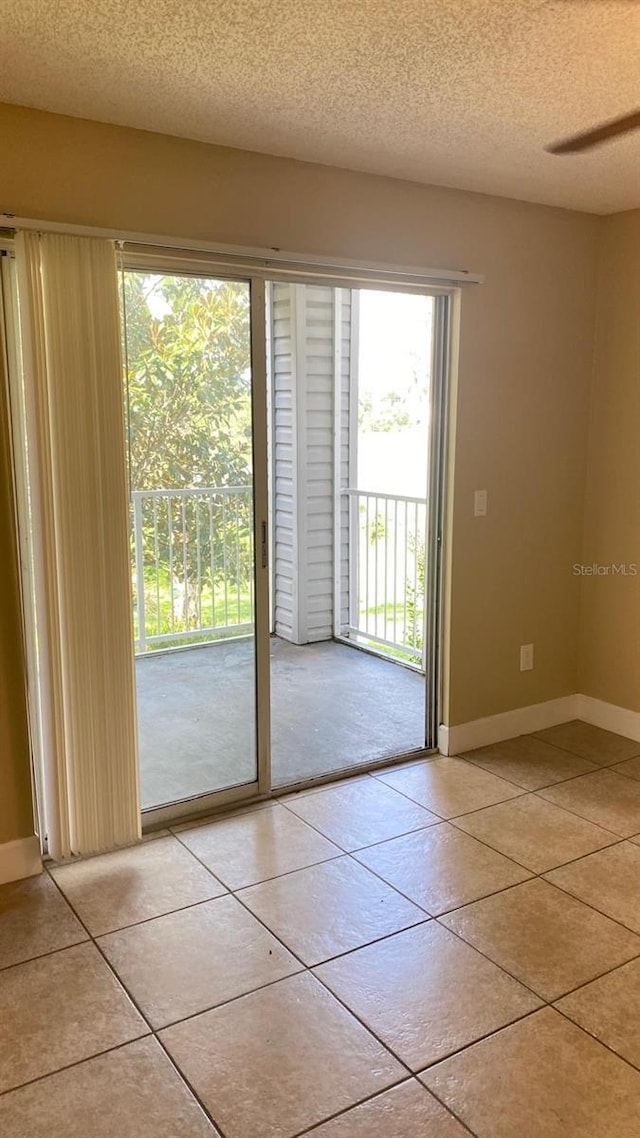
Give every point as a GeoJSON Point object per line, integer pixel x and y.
{"type": "Point", "coordinates": [332, 707]}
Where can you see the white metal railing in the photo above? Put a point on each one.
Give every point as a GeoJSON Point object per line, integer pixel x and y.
{"type": "Point", "coordinates": [387, 571]}
{"type": "Point", "coordinates": [192, 554]}
{"type": "Point", "coordinates": [192, 558]}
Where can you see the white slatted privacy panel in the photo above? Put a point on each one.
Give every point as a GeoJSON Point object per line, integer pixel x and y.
{"type": "Point", "coordinates": [346, 436]}
{"type": "Point", "coordinates": [284, 451]}
{"type": "Point", "coordinates": [311, 351]}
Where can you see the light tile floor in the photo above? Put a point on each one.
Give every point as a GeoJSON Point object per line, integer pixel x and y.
{"type": "Point", "coordinates": [446, 948]}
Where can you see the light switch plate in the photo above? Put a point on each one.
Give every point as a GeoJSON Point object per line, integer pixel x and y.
{"type": "Point", "coordinates": [480, 504]}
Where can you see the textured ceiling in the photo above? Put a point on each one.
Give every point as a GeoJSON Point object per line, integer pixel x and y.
{"type": "Point", "coordinates": [461, 93]}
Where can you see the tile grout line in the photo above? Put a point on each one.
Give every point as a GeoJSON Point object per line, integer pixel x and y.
{"type": "Point", "coordinates": [76, 1063]}
{"type": "Point", "coordinates": [533, 874]}
{"type": "Point", "coordinates": [562, 889]}
{"type": "Point", "coordinates": [147, 920]}
{"type": "Point", "coordinates": [538, 735]}
{"type": "Point", "coordinates": [43, 955]}
{"type": "Point", "coordinates": [144, 1018]}
{"type": "Point", "coordinates": [633, 777]}
{"type": "Point", "coordinates": [548, 1003]}
{"type": "Point", "coordinates": [601, 976]}
{"type": "Point", "coordinates": [557, 782]}
{"type": "Point", "coordinates": [539, 875]}
{"type": "Point", "coordinates": [403, 794]}
{"type": "Point", "coordinates": [230, 889]}
{"type": "Point", "coordinates": [326, 960]}
{"type": "Point", "coordinates": [309, 969]}
{"type": "Point", "coordinates": [523, 790]}
{"type": "Point", "coordinates": [547, 1006]}
{"type": "Point", "coordinates": [444, 912]}
{"type": "Point", "coordinates": [363, 1023]}
{"type": "Point", "coordinates": [452, 820]}
{"type": "Point", "coordinates": [376, 940]}
{"type": "Point", "coordinates": [586, 1030]}
{"type": "Point", "coordinates": [348, 853]}
{"type": "Point", "coordinates": [538, 794]}
{"type": "Point", "coordinates": [457, 908]}
{"type": "Point", "coordinates": [402, 763]}
{"type": "Point", "coordinates": [377, 1094]}
{"type": "Point", "coordinates": [481, 1039]}
{"type": "Point", "coordinates": [560, 865]}
{"type": "Point", "coordinates": [413, 830]}
{"type": "Point", "coordinates": [460, 1051]}
{"type": "Point", "coordinates": [464, 757]}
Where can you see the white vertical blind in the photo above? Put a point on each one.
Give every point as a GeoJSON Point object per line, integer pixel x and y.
{"type": "Point", "coordinates": [68, 303]}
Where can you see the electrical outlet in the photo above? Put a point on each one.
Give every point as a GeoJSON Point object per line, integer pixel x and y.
{"type": "Point", "coordinates": [526, 657]}
{"type": "Point", "coordinates": [480, 504]}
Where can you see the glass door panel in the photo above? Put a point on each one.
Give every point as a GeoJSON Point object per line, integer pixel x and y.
{"type": "Point", "coordinates": [187, 343]}
{"type": "Point", "coordinates": [351, 383]}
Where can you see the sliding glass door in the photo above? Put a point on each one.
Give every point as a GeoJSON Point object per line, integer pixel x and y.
{"type": "Point", "coordinates": [354, 423]}
{"type": "Point", "coordinates": [285, 436]}
{"type": "Point", "coordinates": [283, 445]}
{"type": "Point", "coordinates": [189, 407]}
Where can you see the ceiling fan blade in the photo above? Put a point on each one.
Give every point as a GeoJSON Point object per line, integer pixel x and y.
{"type": "Point", "coordinates": [598, 135]}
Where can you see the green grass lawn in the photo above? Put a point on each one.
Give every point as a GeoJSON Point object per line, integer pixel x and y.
{"type": "Point", "coordinates": [216, 610]}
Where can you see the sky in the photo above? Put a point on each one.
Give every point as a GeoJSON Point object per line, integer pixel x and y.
{"type": "Point", "coordinates": [395, 340]}
{"type": "Point", "coordinates": [395, 356]}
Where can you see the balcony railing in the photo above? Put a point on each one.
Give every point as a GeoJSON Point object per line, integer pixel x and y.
{"type": "Point", "coordinates": [192, 554]}
{"type": "Point", "coordinates": [387, 572]}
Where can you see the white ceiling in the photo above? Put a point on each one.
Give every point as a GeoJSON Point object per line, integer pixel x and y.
{"type": "Point", "coordinates": [461, 93]}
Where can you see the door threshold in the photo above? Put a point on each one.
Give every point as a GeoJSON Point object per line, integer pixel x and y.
{"type": "Point", "coordinates": [196, 817]}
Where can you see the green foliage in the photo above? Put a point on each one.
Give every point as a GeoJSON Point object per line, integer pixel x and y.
{"type": "Point", "coordinates": [188, 352]}
{"type": "Point", "coordinates": [163, 615]}
{"type": "Point", "coordinates": [389, 412]}
{"type": "Point", "coordinates": [377, 529]}
{"type": "Point", "coordinates": [415, 596]}
{"type": "Point", "coordinates": [188, 392]}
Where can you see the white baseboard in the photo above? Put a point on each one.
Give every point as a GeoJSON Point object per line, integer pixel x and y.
{"type": "Point", "coordinates": [443, 739]}
{"type": "Point", "coordinates": [495, 728]}
{"type": "Point", "coordinates": [20, 859]}
{"type": "Point", "coordinates": [524, 720]}
{"type": "Point", "coordinates": [609, 716]}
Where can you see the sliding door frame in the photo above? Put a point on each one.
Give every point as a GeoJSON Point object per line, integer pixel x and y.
{"type": "Point", "coordinates": [221, 267]}
{"type": "Point", "coordinates": [434, 468]}
{"type": "Point", "coordinates": [439, 431]}
{"type": "Point", "coordinates": [261, 544]}
{"type": "Point", "coordinates": [260, 787]}
{"type": "Point", "coordinates": [257, 268]}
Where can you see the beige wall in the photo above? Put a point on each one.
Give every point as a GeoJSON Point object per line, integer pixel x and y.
{"type": "Point", "coordinates": [610, 625]}
{"type": "Point", "coordinates": [525, 349]}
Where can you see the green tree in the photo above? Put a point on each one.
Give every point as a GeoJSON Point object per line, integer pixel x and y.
{"type": "Point", "coordinates": [188, 353]}
{"type": "Point", "coordinates": [188, 393]}
{"type": "Point", "coordinates": [388, 412]}
{"type": "Point", "coordinates": [415, 597]}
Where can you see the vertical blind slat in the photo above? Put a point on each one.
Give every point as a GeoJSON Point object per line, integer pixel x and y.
{"type": "Point", "coordinates": [68, 296]}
